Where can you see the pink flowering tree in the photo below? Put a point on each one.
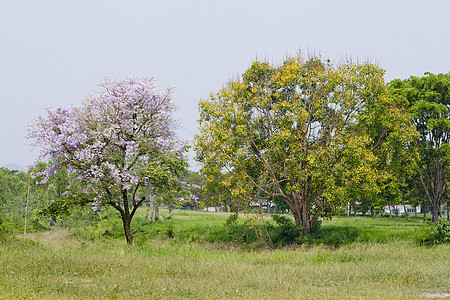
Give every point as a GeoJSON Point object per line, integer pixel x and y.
{"type": "Point", "coordinates": [119, 145]}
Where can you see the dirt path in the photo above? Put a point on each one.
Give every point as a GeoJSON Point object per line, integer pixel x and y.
{"type": "Point", "coordinates": [54, 238]}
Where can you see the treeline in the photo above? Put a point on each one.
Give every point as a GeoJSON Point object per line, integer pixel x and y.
{"type": "Point", "coordinates": [22, 194]}
{"type": "Point", "coordinates": [25, 196]}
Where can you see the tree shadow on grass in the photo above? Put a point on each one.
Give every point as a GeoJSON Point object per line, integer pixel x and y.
{"type": "Point", "coordinates": [333, 235]}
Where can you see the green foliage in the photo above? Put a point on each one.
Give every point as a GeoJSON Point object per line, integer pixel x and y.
{"type": "Point", "coordinates": [433, 234]}
{"type": "Point", "coordinates": [307, 132]}
{"type": "Point", "coordinates": [286, 232]}
{"type": "Point", "coordinates": [59, 208]}
{"type": "Point", "coordinates": [195, 182]}
{"type": "Point", "coordinates": [333, 236]}
{"type": "Point", "coordinates": [88, 225]}
{"type": "Point", "coordinates": [441, 231]}
{"type": "Point", "coordinates": [13, 224]}
{"type": "Point", "coordinates": [165, 174]}
{"type": "Point", "coordinates": [160, 229]}
{"type": "Point", "coordinates": [13, 191]}
{"type": "Point", "coordinates": [427, 99]}
{"type": "Point", "coordinates": [186, 227]}
{"type": "Point", "coordinates": [4, 233]}
{"type": "Point", "coordinates": [231, 220]}
{"type": "Point", "coordinates": [424, 234]}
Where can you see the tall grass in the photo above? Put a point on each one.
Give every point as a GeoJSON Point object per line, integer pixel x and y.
{"type": "Point", "coordinates": [194, 256]}
{"type": "Point", "coordinates": [56, 265]}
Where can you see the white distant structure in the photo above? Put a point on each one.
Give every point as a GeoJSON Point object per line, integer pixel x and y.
{"type": "Point", "coordinates": [401, 209]}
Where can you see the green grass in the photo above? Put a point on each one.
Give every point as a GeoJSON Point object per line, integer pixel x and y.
{"type": "Point", "coordinates": [250, 233]}
{"type": "Point", "coordinates": [343, 230]}
{"type": "Point", "coordinates": [64, 264]}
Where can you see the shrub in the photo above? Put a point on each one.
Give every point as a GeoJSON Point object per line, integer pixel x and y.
{"type": "Point", "coordinates": [3, 229]}
{"type": "Point", "coordinates": [441, 232]}
{"type": "Point", "coordinates": [10, 225]}
{"type": "Point", "coordinates": [438, 233]}
{"type": "Point", "coordinates": [231, 220]}
{"type": "Point", "coordinates": [287, 232]}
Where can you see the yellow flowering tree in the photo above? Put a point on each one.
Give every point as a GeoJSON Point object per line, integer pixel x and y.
{"type": "Point", "coordinates": [306, 131]}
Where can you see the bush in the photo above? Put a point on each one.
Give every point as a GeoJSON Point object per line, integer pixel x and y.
{"type": "Point", "coordinates": [231, 220]}
{"type": "Point", "coordinates": [287, 232]}
{"type": "Point", "coordinates": [3, 229]}
{"type": "Point", "coordinates": [441, 232]}
{"type": "Point", "coordinates": [438, 233]}
{"type": "Point", "coordinates": [10, 225]}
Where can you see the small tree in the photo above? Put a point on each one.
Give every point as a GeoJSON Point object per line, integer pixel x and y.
{"type": "Point", "coordinates": [115, 144]}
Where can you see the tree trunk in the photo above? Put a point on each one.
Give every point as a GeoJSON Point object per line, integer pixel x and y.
{"type": "Point", "coordinates": [435, 208]}
{"type": "Point", "coordinates": [424, 213]}
{"type": "Point", "coordinates": [372, 212]}
{"type": "Point", "coordinates": [126, 226]}
{"type": "Point", "coordinates": [406, 212]}
{"type": "Point", "coordinates": [300, 211]}
{"type": "Point", "coordinates": [125, 212]}
{"type": "Point", "coordinates": [297, 218]}
{"type": "Point", "coordinates": [170, 208]}
{"type": "Point", "coordinates": [157, 210]}
{"type": "Point", "coordinates": [154, 205]}
{"type": "Point", "coordinates": [152, 214]}
{"type": "Point", "coordinates": [260, 208]}
{"type": "Point", "coordinates": [434, 185]}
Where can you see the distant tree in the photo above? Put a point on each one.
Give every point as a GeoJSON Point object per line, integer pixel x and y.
{"type": "Point", "coordinates": [428, 100]}
{"type": "Point", "coordinates": [116, 144]}
{"type": "Point", "coordinates": [54, 198]}
{"type": "Point", "coordinates": [228, 190]}
{"type": "Point", "coordinates": [167, 183]}
{"type": "Point", "coordinates": [195, 182]}
{"type": "Point", "coordinates": [13, 191]}
{"type": "Point", "coordinates": [307, 132]}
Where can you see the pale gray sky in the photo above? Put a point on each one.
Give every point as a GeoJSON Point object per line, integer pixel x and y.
{"type": "Point", "coordinates": [53, 53]}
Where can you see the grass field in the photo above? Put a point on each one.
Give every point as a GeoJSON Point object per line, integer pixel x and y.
{"type": "Point", "coordinates": [379, 260]}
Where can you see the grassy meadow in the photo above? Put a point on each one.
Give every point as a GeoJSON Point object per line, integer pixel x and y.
{"type": "Point", "coordinates": [192, 255]}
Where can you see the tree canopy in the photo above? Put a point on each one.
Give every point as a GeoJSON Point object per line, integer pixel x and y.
{"type": "Point", "coordinates": [309, 132]}
{"type": "Point", "coordinates": [428, 102]}
{"type": "Point", "coordinates": [116, 144]}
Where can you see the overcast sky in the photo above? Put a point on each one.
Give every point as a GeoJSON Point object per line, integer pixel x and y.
{"type": "Point", "coordinates": [54, 53]}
